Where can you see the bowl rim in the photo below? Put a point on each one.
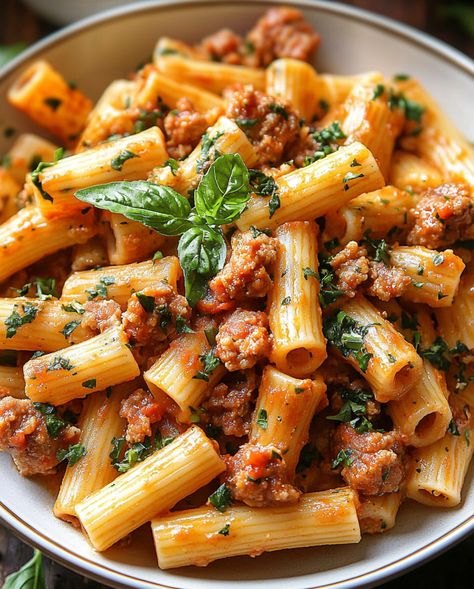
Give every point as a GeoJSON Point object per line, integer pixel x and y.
{"type": "Point", "coordinates": [455, 58]}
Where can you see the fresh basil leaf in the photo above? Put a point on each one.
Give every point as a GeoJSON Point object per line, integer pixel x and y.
{"type": "Point", "coordinates": [224, 190]}
{"type": "Point", "coordinates": [30, 576]}
{"type": "Point", "coordinates": [158, 207]}
{"type": "Point", "coordinates": [202, 253]}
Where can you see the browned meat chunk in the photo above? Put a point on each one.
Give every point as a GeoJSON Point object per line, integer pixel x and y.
{"type": "Point", "coordinates": [24, 434]}
{"type": "Point", "coordinates": [141, 410]}
{"type": "Point", "coordinates": [151, 314]}
{"type": "Point", "coordinates": [372, 461]}
{"type": "Point", "coordinates": [388, 282]}
{"type": "Point", "coordinates": [184, 127]}
{"type": "Point", "coordinates": [230, 404]}
{"type": "Point", "coordinates": [257, 475]}
{"type": "Point", "coordinates": [243, 339]}
{"type": "Point", "coordinates": [245, 276]}
{"type": "Point", "coordinates": [351, 266]}
{"type": "Point", "coordinates": [223, 46]}
{"type": "Point", "coordinates": [281, 32]}
{"type": "Point", "coordinates": [271, 125]}
{"type": "Point", "coordinates": [101, 315]}
{"type": "Point", "coordinates": [442, 216]}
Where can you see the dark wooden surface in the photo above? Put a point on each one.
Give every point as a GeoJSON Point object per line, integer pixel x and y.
{"type": "Point", "coordinates": [454, 569]}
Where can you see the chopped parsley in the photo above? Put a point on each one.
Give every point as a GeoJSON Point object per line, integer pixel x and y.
{"type": "Point", "coordinates": [308, 272]}
{"type": "Point", "coordinates": [15, 320]}
{"type": "Point", "coordinates": [262, 419]}
{"type": "Point", "coordinates": [274, 204]}
{"type": "Point", "coordinates": [182, 326]}
{"type": "Point", "coordinates": [378, 91]}
{"type": "Point", "coordinates": [45, 288]}
{"type": "Point", "coordinates": [439, 354]}
{"type": "Point", "coordinates": [69, 328]}
{"type": "Point", "coordinates": [90, 384]}
{"type": "Point", "coordinates": [53, 103]}
{"type": "Point", "coordinates": [438, 259]}
{"type": "Point", "coordinates": [343, 457]}
{"type": "Point", "coordinates": [278, 109]}
{"type": "Point", "coordinates": [453, 428]}
{"type": "Point", "coordinates": [54, 423]}
{"type": "Point", "coordinates": [328, 292]}
{"type": "Point", "coordinates": [172, 164]}
{"type": "Point", "coordinates": [72, 454]}
{"type": "Point", "coordinates": [147, 302]}
{"type": "Point", "coordinates": [221, 499]}
{"type": "Point", "coordinates": [210, 334]}
{"type": "Point", "coordinates": [308, 455]}
{"type": "Point", "coordinates": [73, 307]}
{"type": "Point", "coordinates": [208, 144]}
{"type": "Point", "coordinates": [121, 158]}
{"type": "Point", "coordinates": [225, 530]}
{"type": "Point", "coordinates": [59, 363]}
{"type": "Point", "coordinates": [246, 123]}
{"type": "Point", "coordinates": [350, 176]}
{"type": "Point", "coordinates": [100, 289]}
{"type": "Point", "coordinates": [379, 249]}
{"type": "Point", "coordinates": [327, 139]}
{"type": "Point", "coordinates": [354, 410]}
{"type": "Point", "coordinates": [347, 335]}
{"type": "Point", "coordinates": [209, 363]}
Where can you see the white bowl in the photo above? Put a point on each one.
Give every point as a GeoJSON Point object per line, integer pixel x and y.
{"type": "Point", "coordinates": [99, 49]}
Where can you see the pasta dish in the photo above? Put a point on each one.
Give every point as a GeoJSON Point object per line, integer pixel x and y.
{"type": "Point", "coordinates": [236, 297]}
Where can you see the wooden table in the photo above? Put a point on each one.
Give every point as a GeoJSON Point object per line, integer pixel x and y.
{"type": "Point", "coordinates": [454, 569]}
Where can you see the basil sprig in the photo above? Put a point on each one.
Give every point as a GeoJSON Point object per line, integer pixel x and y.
{"type": "Point", "coordinates": [220, 198]}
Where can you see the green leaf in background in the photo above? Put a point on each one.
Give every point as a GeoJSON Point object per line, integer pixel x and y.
{"type": "Point", "coordinates": [30, 576]}
{"type": "Point", "coordinates": [8, 52]}
{"type": "Point", "coordinates": [462, 13]}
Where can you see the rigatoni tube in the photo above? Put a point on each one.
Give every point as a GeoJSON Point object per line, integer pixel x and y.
{"type": "Point", "coordinates": [374, 348]}
{"type": "Point", "coordinates": [179, 373]}
{"type": "Point", "coordinates": [100, 362]}
{"type": "Point", "coordinates": [120, 282]}
{"type": "Point", "coordinates": [150, 488]}
{"type": "Point", "coordinates": [46, 97]}
{"type": "Point", "coordinates": [207, 74]}
{"type": "Point", "coordinates": [32, 324]}
{"type": "Point", "coordinates": [456, 323]}
{"type": "Point", "coordinates": [294, 313]}
{"type": "Point", "coordinates": [129, 241]}
{"type": "Point", "coordinates": [99, 423]}
{"type": "Point", "coordinates": [199, 536]}
{"type": "Point", "coordinates": [317, 189]}
{"type": "Point", "coordinates": [437, 472]}
{"type": "Point", "coordinates": [295, 81]}
{"type": "Point", "coordinates": [377, 514]}
{"type": "Point", "coordinates": [287, 405]}
{"type": "Point", "coordinates": [435, 275]}
{"type": "Point", "coordinates": [27, 236]}
{"type": "Point", "coordinates": [130, 158]}
{"type": "Point", "coordinates": [422, 415]}
{"type": "Point", "coordinates": [156, 86]}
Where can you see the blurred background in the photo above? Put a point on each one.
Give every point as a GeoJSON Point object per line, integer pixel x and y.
{"type": "Point", "coordinates": [22, 22]}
